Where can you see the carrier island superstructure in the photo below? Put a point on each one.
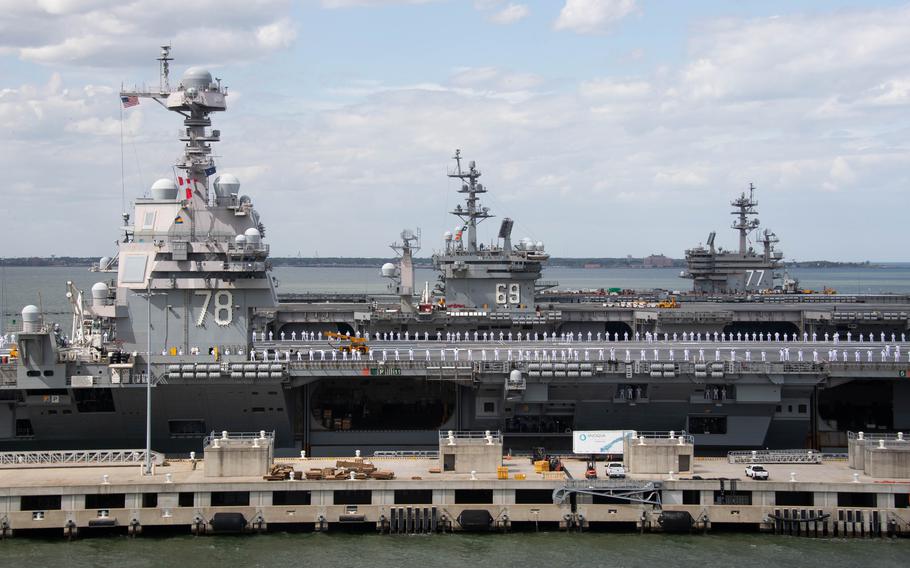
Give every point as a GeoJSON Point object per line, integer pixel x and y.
{"type": "Point", "coordinates": [189, 303]}
{"type": "Point", "coordinates": [716, 271]}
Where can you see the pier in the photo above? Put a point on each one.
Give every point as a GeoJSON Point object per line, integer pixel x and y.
{"type": "Point", "coordinates": [475, 488]}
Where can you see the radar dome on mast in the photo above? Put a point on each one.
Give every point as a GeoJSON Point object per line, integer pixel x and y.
{"type": "Point", "coordinates": [253, 236]}
{"type": "Point", "coordinates": [164, 189]}
{"type": "Point", "coordinates": [31, 319]}
{"type": "Point", "coordinates": [226, 184]}
{"type": "Point", "coordinates": [196, 77]}
{"type": "Point", "coordinates": [100, 293]}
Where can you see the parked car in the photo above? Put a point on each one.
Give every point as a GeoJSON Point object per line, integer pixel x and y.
{"type": "Point", "coordinates": [615, 470]}
{"type": "Point", "coordinates": [756, 472]}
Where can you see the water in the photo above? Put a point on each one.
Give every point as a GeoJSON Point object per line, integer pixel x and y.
{"type": "Point", "coordinates": [498, 551]}
{"type": "Point", "coordinates": [30, 285]}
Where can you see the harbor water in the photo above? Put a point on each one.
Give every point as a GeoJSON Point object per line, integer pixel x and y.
{"type": "Point", "coordinates": [45, 286]}
{"type": "Point", "coordinates": [523, 550]}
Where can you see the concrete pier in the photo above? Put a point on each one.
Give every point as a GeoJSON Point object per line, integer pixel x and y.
{"type": "Point", "coordinates": [653, 454]}
{"type": "Point", "coordinates": [815, 499]}
{"type": "Point", "coordinates": [238, 455]}
{"type": "Point", "coordinates": [880, 455]}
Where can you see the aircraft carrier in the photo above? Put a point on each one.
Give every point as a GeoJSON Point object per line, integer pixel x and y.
{"type": "Point", "coordinates": [188, 310]}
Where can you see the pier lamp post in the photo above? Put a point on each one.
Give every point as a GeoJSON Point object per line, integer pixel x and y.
{"type": "Point", "coordinates": [147, 467]}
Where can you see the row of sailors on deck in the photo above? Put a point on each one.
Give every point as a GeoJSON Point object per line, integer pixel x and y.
{"type": "Point", "coordinates": [600, 336]}
{"type": "Point", "coordinates": [585, 354]}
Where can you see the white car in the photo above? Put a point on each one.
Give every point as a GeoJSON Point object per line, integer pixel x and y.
{"type": "Point", "coordinates": [756, 472]}
{"type": "Point", "coordinates": [615, 470]}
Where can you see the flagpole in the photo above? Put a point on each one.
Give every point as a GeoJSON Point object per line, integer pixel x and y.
{"type": "Point", "coordinates": [122, 174]}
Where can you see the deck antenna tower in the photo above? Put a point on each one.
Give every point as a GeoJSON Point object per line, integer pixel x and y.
{"type": "Point", "coordinates": [744, 208]}
{"type": "Point", "coordinates": [472, 213]}
{"type": "Point", "coordinates": [164, 85]}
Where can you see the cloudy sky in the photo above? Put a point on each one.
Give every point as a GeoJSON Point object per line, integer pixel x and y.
{"type": "Point", "coordinates": [603, 127]}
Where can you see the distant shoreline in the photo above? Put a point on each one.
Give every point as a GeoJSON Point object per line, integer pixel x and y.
{"type": "Point", "coordinates": [376, 262]}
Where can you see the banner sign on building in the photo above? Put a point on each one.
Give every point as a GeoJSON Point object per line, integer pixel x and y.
{"type": "Point", "coordinates": [600, 441]}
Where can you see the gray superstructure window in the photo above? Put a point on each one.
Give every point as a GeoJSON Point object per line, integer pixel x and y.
{"type": "Point", "coordinates": [134, 268]}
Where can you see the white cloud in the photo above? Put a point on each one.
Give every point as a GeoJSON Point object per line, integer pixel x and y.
{"type": "Point", "coordinates": [766, 58]}
{"type": "Point", "coordinates": [614, 88]}
{"type": "Point", "coordinates": [492, 78]}
{"type": "Point", "coordinates": [592, 16]}
{"type": "Point", "coordinates": [892, 92]}
{"type": "Point", "coordinates": [682, 177]}
{"type": "Point", "coordinates": [510, 14]}
{"type": "Point", "coordinates": [332, 4]}
{"type": "Point", "coordinates": [118, 33]}
{"type": "Point", "coordinates": [277, 35]}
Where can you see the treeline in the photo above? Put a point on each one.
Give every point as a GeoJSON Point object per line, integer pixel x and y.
{"type": "Point", "coordinates": [831, 264]}
{"type": "Point", "coordinates": [49, 261]}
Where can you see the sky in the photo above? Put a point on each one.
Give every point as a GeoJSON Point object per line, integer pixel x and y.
{"type": "Point", "coordinates": [604, 128]}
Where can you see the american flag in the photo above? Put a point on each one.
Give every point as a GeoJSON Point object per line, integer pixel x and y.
{"type": "Point", "coordinates": [129, 100]}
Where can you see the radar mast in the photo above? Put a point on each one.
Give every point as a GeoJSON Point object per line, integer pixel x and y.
{"type": "Point", "coordinates": [744, 207]}
{"type": "Point", "coordinates": [473, 213]}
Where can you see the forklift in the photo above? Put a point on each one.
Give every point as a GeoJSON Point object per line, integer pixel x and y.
{"type": "Point", "coordinates": [591, 469]}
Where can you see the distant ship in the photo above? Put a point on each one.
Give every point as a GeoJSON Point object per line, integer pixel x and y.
{"type": "Point", "coordinates": [718, 271]}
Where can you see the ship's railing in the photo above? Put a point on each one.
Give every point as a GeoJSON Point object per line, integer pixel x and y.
{"type": "Point", "coordinates": [361, 364]}
{"type": "Point", "coordinates": [248, 248]}
{"type": "Point", "coordinates": [54, 458]}
{"type": "Point", "coordinates": [869, 366]}
{"type": "Point", "coordinates": [876, 436]}
{"type": "Point", "coordinates": [251, 437]}
{"type": "Point", "coordinates": [457, 436]}
{"type": "Point", "coordinates": [40, 327]}
{"type": "Point", "coordinates": [663, 435]}
{"type": "Point", "coordinates": [421, 454]}
{"type": "Point", "coordinates": [774, 456]}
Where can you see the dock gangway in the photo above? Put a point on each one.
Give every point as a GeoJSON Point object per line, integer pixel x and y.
{"type": "Point", "coordinates": [632, 491]}
{"type": "Point", "coordinates": [775, 456]}
{"type": "Point", "coordinates": [67, 458]}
